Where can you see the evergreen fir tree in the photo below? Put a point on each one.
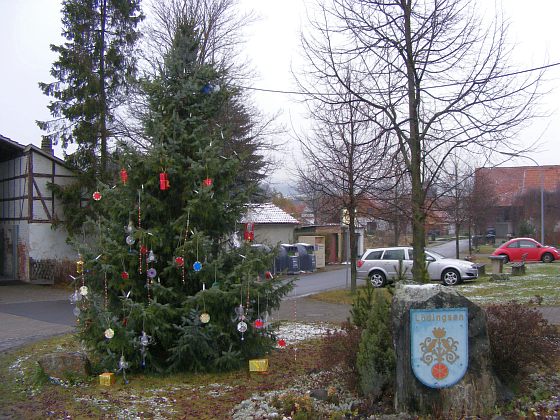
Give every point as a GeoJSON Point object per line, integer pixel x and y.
{"type": "Point", "coordinates": [157, 256]}
{"type": "Point", "coordinates": [92, 74]}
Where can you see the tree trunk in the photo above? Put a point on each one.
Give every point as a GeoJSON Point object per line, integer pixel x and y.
{"type": "Point", "coordinates": [419, 270]}
{"type": "Point", "coordinates": [103, 94]}
{"type": "Point", "coordinates": [457, 250]}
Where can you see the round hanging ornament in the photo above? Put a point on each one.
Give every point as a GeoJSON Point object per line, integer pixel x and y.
{"type": "Point", "coordinates": [282, 342]}
{"type": "Point", "coordinates": [241, 326]}
{"type": "Point", "coordinates": [124, 275]}
{"type": "Point", "coordinates": [97, 196]}
{"type": "Point", "coordinates": [109, 333]}
{"type": "Point", "coordinates": [151, 273]}
{"type": "Point", "coordinates": [130, 240]}
{"type": "Point", "coordinates": [180, 261]}
{"type": "Point", "coordinates": [204, 318]}
{"type": "Point", "coordinates": [197, 266]}
{"type": "Point", "coordinates": [207, 182]}
{"type": "Point", "coordinates": [83, 290]}
{"type": "Point", "coordinates": [259, 323]}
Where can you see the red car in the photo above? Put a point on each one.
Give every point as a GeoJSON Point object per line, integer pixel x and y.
{"type": "Point", "coordinates": [514, 249]}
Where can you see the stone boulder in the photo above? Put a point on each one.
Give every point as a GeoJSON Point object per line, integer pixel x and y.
{"type": "Point", "coordinates": [65, 365]}
{"type": "Point", "coordinates": [476, 392]}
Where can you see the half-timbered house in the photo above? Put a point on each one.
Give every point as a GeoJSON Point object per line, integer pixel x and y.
{"type": "Point", "coordinates": [30, 247]}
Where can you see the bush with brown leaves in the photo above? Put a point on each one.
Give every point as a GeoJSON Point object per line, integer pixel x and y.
{"type": "Point", "coordinates": [339, 348]}
{"type": "Point", "coordinates": [521, 340]}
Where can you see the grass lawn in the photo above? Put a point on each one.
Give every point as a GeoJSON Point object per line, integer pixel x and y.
{"type": "Point", "coordinates": [25, 394]}
{"type": "Point", "coordinates": [540, 285]}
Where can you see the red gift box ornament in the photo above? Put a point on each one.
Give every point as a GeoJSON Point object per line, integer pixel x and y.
{"type": "Point", "coordinates": [124, 176]}
{"type": "Point", "coordinates": [207, 182]}
{"type": "Point", "coordinates": [249, 234]}
{"type": "Point", "coordinates": [163, 181]}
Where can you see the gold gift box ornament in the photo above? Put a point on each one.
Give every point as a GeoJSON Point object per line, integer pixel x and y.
{"type": "Point", "coordinates": [107, 379]}
{"type": "Point", "coordinates": [258, 365]}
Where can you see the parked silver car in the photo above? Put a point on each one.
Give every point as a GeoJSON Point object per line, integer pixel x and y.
{"type": "Point", "coordinates": [381, 265]}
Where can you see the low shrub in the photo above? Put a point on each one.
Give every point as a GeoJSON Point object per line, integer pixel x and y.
{"type": "Point", "coordinates": [521, 340]}
{"type": "Point", "coordinates": [376, 358]}
{"type": "Point", "coordinates": [340, 348]}
{"type": "Point", "coordinates": [365, 301]}
{"type": "Point", "coordinates": [294, 405]}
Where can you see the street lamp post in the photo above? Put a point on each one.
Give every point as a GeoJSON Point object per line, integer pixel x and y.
{"type": "Point", "coordinates": [542, 196]}
{"type": "Point", "coordinates": [542, 207]}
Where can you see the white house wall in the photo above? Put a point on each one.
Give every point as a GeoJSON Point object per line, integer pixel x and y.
{"type": "Point", "coordinates": [46, 171]}
{"type": "Point", "coordinates": [273, 234]}
{"type": "Point", "coordinates": [46, 243]}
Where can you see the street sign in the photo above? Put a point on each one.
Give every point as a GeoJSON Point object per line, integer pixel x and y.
{"type": "Point", "coordinates": [439, 345]}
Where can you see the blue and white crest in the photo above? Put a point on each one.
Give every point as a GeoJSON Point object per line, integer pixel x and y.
{"type": "Point", "coordinates": [439, 345]}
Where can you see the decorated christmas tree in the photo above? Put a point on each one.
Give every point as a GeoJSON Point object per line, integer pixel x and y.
{"type": "Point", "coordinates": [160, 285]}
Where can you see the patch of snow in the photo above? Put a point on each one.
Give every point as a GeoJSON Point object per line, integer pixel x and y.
{"type": "Point", "coordinates": [293, 332]}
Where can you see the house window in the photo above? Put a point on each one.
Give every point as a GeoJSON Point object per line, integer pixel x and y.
{"type": "Point", "coordinates": [371, 227]}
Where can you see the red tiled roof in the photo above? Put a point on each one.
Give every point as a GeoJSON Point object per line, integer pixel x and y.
{"type": "Point", "coordinates": [509, 182]}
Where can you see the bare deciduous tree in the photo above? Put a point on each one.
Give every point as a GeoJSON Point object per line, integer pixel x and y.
{"type": "Point", "coordinates": [433, 74]}
{"type": "Point", "coordinates": [343, 152]}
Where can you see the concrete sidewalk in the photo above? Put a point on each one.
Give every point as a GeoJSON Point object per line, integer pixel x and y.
{"type": "Point", "coordinates": [19, 325]}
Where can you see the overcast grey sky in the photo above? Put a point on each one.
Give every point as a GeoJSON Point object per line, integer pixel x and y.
{"type": "Point", "coordinates": [28, 27]}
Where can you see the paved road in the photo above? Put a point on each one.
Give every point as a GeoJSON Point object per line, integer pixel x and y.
{"type": "Point", "coordinates": [447, 249]}
{"type": "Point", "coordinates": [337, 277]}
{"type": "Point", "coordinates": [29, 313]}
